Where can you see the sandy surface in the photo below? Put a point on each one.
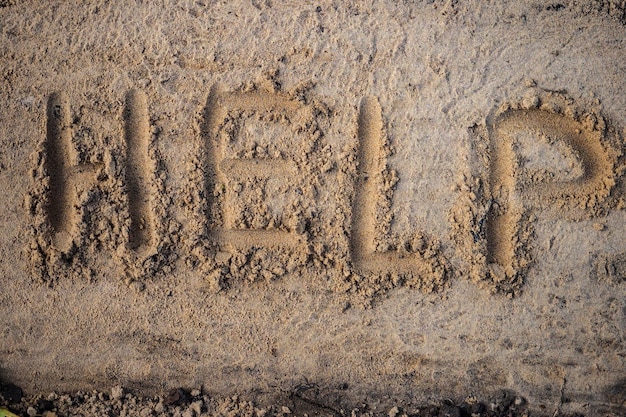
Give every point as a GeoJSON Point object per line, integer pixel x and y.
{"type": "Point", "coordinates": [396, 203]}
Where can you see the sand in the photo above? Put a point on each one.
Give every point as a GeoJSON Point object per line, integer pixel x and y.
{"type": "Point", "coordinates": [397, 203]}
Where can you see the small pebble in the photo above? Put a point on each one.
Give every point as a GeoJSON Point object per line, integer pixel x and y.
{"type": "Point", "coordinates": [529, 82]}
{"type": "Point", "coordinates": [117, 392]}
{"type": "Point", "coordinates": [145, 412]}
{"type": "Point", "coordinates": [530, 102]}
{"type": "Point", "coordinates": [196, 407]}
{"type": "Point", "coordinates": [31, 411]}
